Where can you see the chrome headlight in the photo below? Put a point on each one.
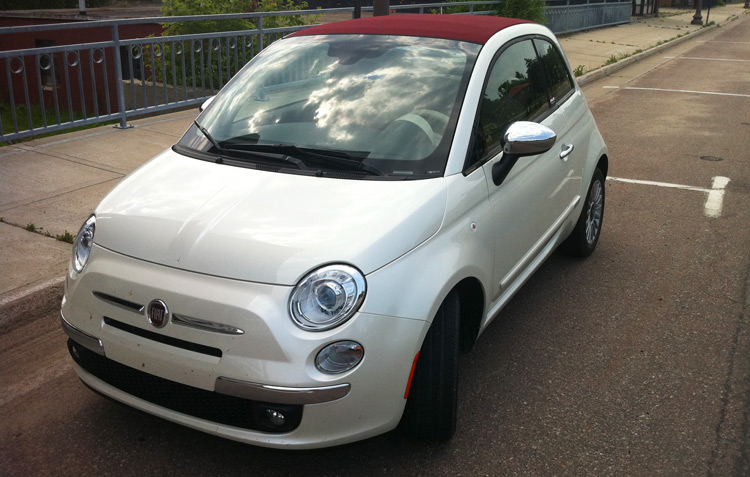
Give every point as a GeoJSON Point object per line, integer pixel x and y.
{"type": "Point", "coordinates": [327, 297]}
{"type": "Point", "coordinates": [82, 245]}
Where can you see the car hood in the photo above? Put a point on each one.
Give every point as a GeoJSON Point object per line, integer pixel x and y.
{"type": "Point", "coordinates": [262, 226]}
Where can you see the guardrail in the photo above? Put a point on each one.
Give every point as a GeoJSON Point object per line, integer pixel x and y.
{"type": "Point", "coordinates": [577, 15]}
{"type": "Point", "coordinates": [53, 88]}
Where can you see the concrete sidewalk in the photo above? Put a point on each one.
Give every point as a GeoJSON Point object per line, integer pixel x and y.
{"type": "Point", "coordinates": [609, 46]}
{"type": "Point", "coordinates": [50, 186]}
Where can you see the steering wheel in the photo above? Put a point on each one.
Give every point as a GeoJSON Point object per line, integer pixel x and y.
{"type": "Point", "coordinates": [428, 121]}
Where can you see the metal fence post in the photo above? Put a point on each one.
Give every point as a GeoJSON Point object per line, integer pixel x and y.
{"type": "Point", "coordinates": [260, 34]}
{"type": "Point", "coordinates": [118, 77]}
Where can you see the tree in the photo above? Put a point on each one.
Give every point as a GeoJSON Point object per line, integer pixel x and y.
{"type": "Point", "coordinates": [380, 7]}
{"type": "Point", "coordinates": [212, 71]}
{"type": "Point", "coordinates": [525, 9]}
{"type": "Point", "coordinates": [171, 8]}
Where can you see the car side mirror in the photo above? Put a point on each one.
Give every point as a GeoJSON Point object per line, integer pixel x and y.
{"type": "Point", "coordinates": [205, 104]}
{"type": "Point", "coordinates": [523, 138]}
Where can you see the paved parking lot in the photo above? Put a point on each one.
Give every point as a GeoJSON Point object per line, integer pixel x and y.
{"type": "Point", "coordinates": [678, 235]}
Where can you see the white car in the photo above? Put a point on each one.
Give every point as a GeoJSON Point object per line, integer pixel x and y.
{"type": "Point", "coordinates": [349, 213]}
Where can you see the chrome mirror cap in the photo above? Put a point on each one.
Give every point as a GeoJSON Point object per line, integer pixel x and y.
{"type": "Point", "coordinates": [524, 138]}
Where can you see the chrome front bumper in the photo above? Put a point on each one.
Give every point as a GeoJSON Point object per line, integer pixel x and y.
{"type": "Point", "coordinates": [235, 387]}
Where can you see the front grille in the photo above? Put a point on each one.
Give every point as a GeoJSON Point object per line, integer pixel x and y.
{"type": "Point", "coordinates": [168, 340]}
{"type": "Point", "coordinates": [208, 405]}
{"type": "Point", "coordinates": [125, 304]}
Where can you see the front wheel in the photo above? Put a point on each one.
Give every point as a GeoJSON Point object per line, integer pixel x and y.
{"type": "Point", "coordinates": [432, 405]}
{"type": "Point", "coordinates": [582, 241]}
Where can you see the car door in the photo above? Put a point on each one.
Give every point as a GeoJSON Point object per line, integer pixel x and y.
{"type": "Point", "coordinates": [530, 205]}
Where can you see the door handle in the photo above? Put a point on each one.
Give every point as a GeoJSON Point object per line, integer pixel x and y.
{"type": "Point", "coordinates": [566, 150]}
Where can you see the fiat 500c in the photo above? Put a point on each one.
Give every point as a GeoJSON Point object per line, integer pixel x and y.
{"type": "Point", "coordinates": [345, 217]}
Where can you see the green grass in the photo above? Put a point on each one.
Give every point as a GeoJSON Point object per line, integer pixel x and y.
{"type": "Point", "coordinates": [66, 237]}
{"type": "Point", "coordinates": [37, 120]}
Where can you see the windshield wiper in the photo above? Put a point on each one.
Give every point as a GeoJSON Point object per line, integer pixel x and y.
{"type": "Point", "coordinates": [234, 147]}
{"type": "Point", "coordinates": [291, 153]}
{"type": "Point", "coordinates": [208, 135]}
{"type": "Point", "coordinates": [327, 156]}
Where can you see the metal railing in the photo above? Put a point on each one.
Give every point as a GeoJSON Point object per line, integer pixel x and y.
{"type": "Point", "coordinates": [567, 16]}
{"type": "Point", "coordinates": [52, 88]}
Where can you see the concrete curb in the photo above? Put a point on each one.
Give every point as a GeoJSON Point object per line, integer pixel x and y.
{"type": "Point", "coordinates": [624, 63]}
{"type": "Point", "coordinates": [30, 303]}
{"type": "Point", "coordinates": [9, 298]}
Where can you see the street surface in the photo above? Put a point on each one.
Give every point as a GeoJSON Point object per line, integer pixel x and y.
{"type": "Point", "coordinates": [633, 362]}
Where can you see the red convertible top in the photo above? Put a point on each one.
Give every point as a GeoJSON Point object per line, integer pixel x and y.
{"type": "Point", "coordinates": [472, 28]}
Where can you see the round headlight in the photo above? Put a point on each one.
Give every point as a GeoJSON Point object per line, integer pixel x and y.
{"type": "Point", "coordinates": [82, 245]}
{"type": "Point", "coordinates": [327, 297]}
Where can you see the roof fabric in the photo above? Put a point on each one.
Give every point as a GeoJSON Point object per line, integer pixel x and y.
{"type": "Point", "coordinates": [472, 28]}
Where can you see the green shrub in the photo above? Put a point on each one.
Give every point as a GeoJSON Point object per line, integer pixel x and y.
{"type": "Point", "coordinates": [66, 237]}
{"type": "Point", "coordinates": [525, 9]}
{"type": "Point", "coordinates": [163, 70]}
{"type": "Point", "coordinates": [451, 10]}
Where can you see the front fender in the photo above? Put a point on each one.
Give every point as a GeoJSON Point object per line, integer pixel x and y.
{"type": "Point", "coordinates": [414, 285]}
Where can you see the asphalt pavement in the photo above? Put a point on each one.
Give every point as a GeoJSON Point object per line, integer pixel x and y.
{"type": "Point", "coordinates": [50, 185]}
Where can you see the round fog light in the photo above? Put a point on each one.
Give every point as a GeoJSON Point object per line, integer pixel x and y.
{"type": "Point", "coordinates": [339, 357]}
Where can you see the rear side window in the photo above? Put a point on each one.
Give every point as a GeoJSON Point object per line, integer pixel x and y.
{"type": "Point", "coordinates": [516, 90]}
{"type": "Point", "coordinates": [560, 81]}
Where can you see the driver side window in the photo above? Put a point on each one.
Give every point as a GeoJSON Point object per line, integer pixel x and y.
{"type": "Point", "coordinates": [515, 91]}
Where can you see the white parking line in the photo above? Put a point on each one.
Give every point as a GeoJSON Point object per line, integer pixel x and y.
{"type": "Point", "coordinates": [660, 184]}
{"type": "Point", "coordinates": [714, 202]}
{"type": "Point", "coordinates": [736, 95]}
{"type": "Point", "coordinates": [704, 59]}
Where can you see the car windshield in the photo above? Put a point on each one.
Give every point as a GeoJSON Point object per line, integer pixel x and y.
{"type": "Point", "coordinates": [387, 104]}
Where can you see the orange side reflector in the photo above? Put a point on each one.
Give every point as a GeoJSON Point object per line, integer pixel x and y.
{"type": "Point", "coordinates": [411, 375]}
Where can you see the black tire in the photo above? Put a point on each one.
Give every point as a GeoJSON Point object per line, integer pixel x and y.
{"type": "Point", "coordinates": [431, 408]}
{"type": "Point", "coordinates": [582, 241]}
